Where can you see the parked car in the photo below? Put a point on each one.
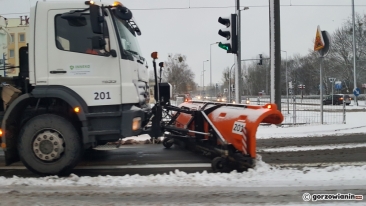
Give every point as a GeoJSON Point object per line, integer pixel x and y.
{"type": "Point", "coordinates": [337, 99]}
{"type": "Point", "coordinates": [221, 98]}
{"type": "Point", "coordinates": [247, 101]}
{"type": "Point", "coordinates": [186, 97]}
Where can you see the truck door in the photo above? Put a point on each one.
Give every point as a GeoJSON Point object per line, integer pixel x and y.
{"type": "Point", "coordinates": [73, 63]}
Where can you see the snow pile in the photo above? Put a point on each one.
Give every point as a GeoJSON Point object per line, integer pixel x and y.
{"type": "Point", "coordinates": [263, 175]}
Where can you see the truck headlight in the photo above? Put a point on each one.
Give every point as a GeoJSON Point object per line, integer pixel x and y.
{"type": "Point", "coordinates": [136, 123]}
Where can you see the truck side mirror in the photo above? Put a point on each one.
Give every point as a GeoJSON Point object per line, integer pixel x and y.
{"type": "Point", "coordinates": [96, 19]}
{"type": "Point", "coordinates": [98, 42]}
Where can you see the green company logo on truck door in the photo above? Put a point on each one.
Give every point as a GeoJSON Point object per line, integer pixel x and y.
{"type": "Point", "coordinates": [80, 69]}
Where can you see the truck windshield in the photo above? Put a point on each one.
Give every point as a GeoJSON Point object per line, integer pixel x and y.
{"type": "Point", "coordinates": [128, 37]}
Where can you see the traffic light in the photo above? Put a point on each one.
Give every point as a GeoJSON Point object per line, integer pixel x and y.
{"type": "Point", "coordinates": [231, 43]}
{"type": "Point", "coordinates": [233, 87]}
{"type": "Point", "coordinates": [260, 60]}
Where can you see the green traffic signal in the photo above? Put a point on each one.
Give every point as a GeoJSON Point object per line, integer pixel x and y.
{"type": "Point", "coordinates": [223, 46]}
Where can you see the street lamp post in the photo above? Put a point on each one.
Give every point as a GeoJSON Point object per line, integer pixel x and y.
{"type": "Point", "coordinates": [332, 80]}
{"type": "Point", "coordinates": [203, 76]}
{"type": "Point", "coordinates": [211, 63]}
{"type": "Point", "coordinates": [354, 50]}
{"type": "Point", "coordinates": [288, 107]}
{"type": "Point", "coordinates": [230, 82]}
{"type": "Point", "coordinates": [238, 74]}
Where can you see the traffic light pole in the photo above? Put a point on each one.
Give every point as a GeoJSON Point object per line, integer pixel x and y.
{"type": "Point", "coordinates": [238, 75]}
{"type": "Point", "coordinates": [275, 51]}
{"type": "Point", "coordinates": [354, 50]}
{"type": "Point", "coordinates": [321, 90]}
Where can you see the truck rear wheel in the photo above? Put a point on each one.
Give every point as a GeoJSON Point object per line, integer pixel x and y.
{"type": "Point", "coordinates": [49, 145]}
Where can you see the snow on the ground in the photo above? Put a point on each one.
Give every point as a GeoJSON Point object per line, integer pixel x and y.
{"type": "Point", "coordinates": [263, 175]}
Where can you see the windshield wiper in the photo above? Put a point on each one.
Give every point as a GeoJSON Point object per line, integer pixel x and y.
{"type": "Point", "coordinates": [133, 52]}
{"type": "Point", "coordinates": [139, 59]}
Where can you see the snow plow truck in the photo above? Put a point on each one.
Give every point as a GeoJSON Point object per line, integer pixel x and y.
{"type": "Point", "coordinates": [83, 82]}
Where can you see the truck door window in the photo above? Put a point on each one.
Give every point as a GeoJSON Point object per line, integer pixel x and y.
{"type": "Point", "coordinates": [75, 37]}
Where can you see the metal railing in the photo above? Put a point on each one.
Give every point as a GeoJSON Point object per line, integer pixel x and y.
{"type": "Point", "coordinates": [306, 110]}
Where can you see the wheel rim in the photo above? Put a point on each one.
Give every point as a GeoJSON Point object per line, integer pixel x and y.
{"type": "Point", "coordinates": [166, 142]}
{"type": "Point", "coordinates": [220, 165]}
{"type": "Point", "coordinates": [48, 145]}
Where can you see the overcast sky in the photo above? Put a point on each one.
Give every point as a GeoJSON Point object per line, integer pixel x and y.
{"type": "Point", "coordinates": [183, 28]}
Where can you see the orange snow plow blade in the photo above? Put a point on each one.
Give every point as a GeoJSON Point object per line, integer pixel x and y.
{"type": "Point", "coordinates": [235, 124]}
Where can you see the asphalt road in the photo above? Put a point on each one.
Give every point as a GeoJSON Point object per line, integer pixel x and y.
{"type": "Point", "coordinates": [155, 159]}
{"type": "Point", "coordinates": [344, 155]}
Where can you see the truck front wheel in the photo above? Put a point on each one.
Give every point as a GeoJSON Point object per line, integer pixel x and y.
{"type": "Point", "coordinates": [49, 145]}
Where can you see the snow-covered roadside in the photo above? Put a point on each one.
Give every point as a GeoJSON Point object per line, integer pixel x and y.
{"type": "Point", "coordinates": [263, 175]}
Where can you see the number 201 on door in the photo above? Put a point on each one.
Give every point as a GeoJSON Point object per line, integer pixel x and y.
{"type": "Point", "coordinates": [102, 95]}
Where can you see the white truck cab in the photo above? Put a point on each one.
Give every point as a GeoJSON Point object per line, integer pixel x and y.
{"type": "Point", "coordinates": [63, 54]}
{"type": "Point", "coordinates": [82, 82]}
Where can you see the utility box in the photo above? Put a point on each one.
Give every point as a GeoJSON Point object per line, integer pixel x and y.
{"type": "Point", "coordinates": [165, 92]}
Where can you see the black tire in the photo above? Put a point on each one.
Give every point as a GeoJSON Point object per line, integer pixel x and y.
{"type": "Point", "coordinates": [220, 164]}
{"type": "Point", "coordinates": [64, 131]}
{"type": "Point", "coordinates": [167, 144]}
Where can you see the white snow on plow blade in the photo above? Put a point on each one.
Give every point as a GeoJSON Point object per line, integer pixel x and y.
{"type": "Point", "coordinates": [316, 147]}
{"type": "Point", "coordinates": [263, 175]}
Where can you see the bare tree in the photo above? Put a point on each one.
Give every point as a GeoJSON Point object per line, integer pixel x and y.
{"type": "Point", "coordinates": [341, 56]}
{"type": "Point", "coordinates": [178, 73]}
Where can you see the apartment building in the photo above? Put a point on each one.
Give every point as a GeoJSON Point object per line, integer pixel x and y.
{"type": "Point", "coordinates": [19, 32]}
